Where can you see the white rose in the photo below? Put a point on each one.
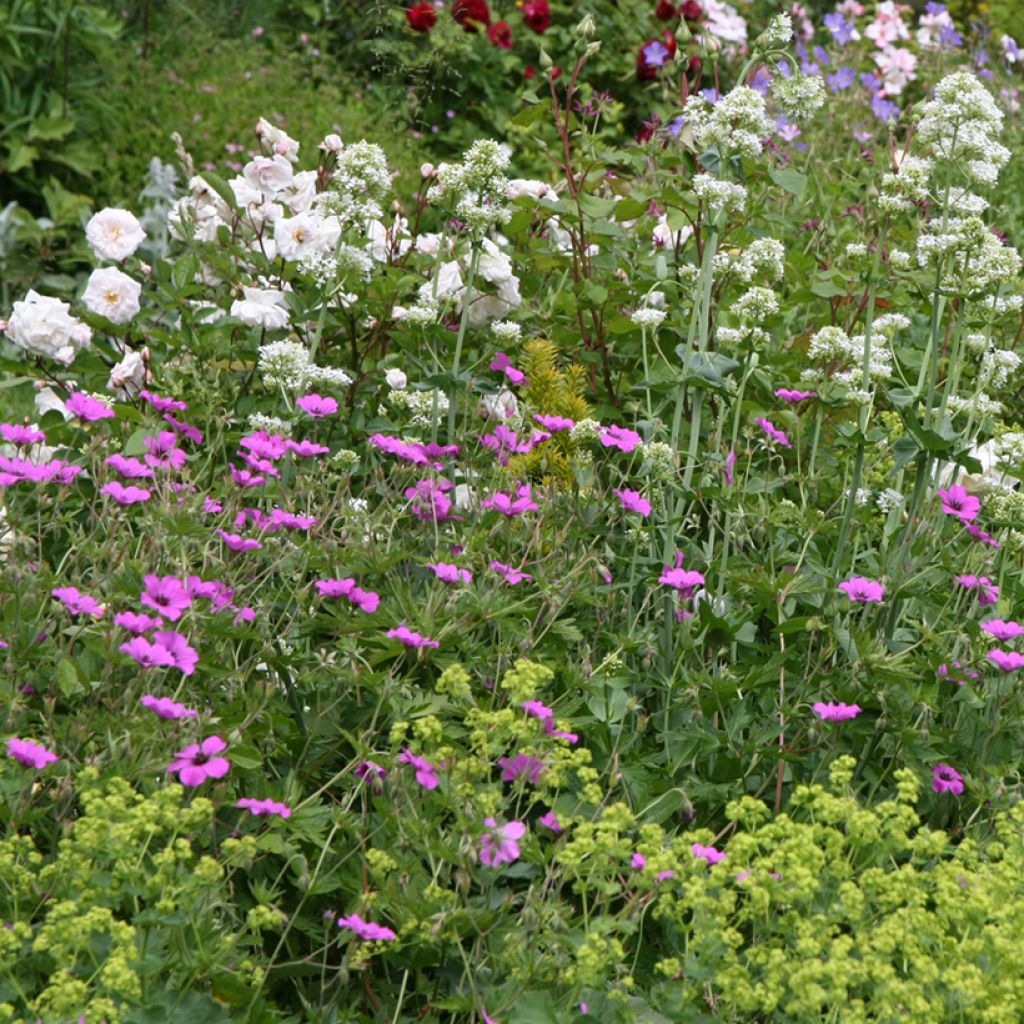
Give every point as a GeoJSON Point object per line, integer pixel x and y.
{"type": "Point", "coordinates": [47, 400]}
{"type": "Point", "coordinates": [503, 406]}
{"type": "Point", "coordinates": [280, 142]}
{"type": "Point", "coordinates": [112, 294]}
{"type": "Point", "coordinates": [114, 234]}
{"type": "Point", "coordinates": [494, 265]}
{"type": "Point", "coordinates": [428, 243]}
{"type": "Point", "coordinates": [525, 187]}
{"type": "Point", "coordinates": [270, 174]}
{"type": "Point", "coordinates": [299, 236]}
{"type": "Point", "coordinates": [129, 374]}
{"type": "Point", "coordinates": [261, 307]}
{"type": "Point", "coordinates": [45, 327]}
{"type": "Point", "coordinates": [332, 143]}
{"type": "Point", "coordinates": [396, 379]}
{"type": "Point", "coordinates": [300, 196]}
{"type": "Point", "coordinates": [449, 282]}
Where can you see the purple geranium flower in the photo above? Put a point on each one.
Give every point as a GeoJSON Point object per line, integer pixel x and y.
{"type": "Point", "coordinates": [501, 844]}
{"type": "Point", "coordinates": [859, 588]}
{"type": "Point", "coordinates": [946, 779]}
{"type": "Point", "coordinates": [201, 761]}
{"type": "Point", "coordinates": [164, 707]}
{"type": "Point", "coordinates": [366, 930]}
{"type": "Point", "coordinates": [30, 753]}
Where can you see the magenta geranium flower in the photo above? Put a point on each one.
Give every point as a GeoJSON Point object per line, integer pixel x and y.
{"type": "Point", "coordinates": [501, 844]}
{"type": "Point", "coordinates": [633, 501]}
{"type": "Point", "coordinates": [957, 502]}
{"type": "Point", "coordinates": [522, 766]}
{"type": "Point", "coordinates": [429, 502]}
{"type": "Point", "coordinates": [410, 638]}
{"type": "Point", "coordinates": [509, 506]}
{"type": "Point", "coordinates": [317, 405]}
{"type": "Point", "coordinates": [78, 603]}
{"type": "Point", "coordinates": [162, 451]}
{"type": "Point", "coordinates": [537, 709]}
{"type": "Point", "coordinates": [136, 622]}
{"type": "Point", "coordinates": [1003, 630]}
{"type": "Point", "coordinates": [773, 432]}
{"type": "Point", "coordinates": [510, 575]}
{"type": "Point", "coordinates": [979, 534]}
{"type": "Point", "coordinates": [89, 409]}
{"type": "Point", "coordinates": [685, 581]}
{"type": "Point", "coordinates": [184, 656]}
{"type": "Point", "coordinates": [405, 450]}
{"type": "Point", "coordinates": [622, 438]}
{"type": "Point", "coordinates": [860, 588]}
{"type": "Point", "coordinates": [1008, 661]}
{"type": "Point", "coordinates": [426, 773]}
{"type": "Point", "coordinates": [237, 542]}
{"type": "Point", "coordinates": [164, 707]}
{"type": "Point", "coordinates": [727, 468]}
{"type": "Point", "coordinates": [638, 862]}
{"type": "Point", "coordinates": [201, 761]}
{"type": "Point", "coordinates": [307, 449]}
{"type": "Point", "coordinates": [555, 423]}
{"type": "Point", "coordinates": [163, 404]}
{"type": "Point", "coordinates": [364, 600]}
{"type": "Point", "coordinates": [264, 445]}
{"type": "Point", "coordinates": [373, 774]}
{"type": "Point", "coordinates": [366, 930]}
{"type": "Point", "coordinates": [246, 478]}
{"type": "Point", "coordinates": [988, 592]}
{"type": "Point", "coordinates": [791, 395]}
{"type": "Point", "coordinates": [708, 853]}
{"type": "Point", "coordinates": [264, 807]}
{"type": "Point", "coordinates": [946, 779]}
{"type": "Point", "coordinates": [19, 434]}
{"type": "Point", "coordinates": [447, 572]}
{"type": "Point", "coordinates": [550, 820]}
{"type": "Point", "coordinates": [166, 595]}
{"type": "Point", "coordinates": [836, 712]}
{"type": "Point", "coordinates": [129, 468]}
{"type": "Point", "coordinates": [30, 753]}
{"type": "Point", "coordinates": [125, 495]}
{"type": "Point", "coordinates": [186, 430]}
{"type": "Point", "coordinates": [147, 653]}
{"type": "Point", "coordinates": [957, 673]}
{"type": "Point", "coordinates": [503, 364]}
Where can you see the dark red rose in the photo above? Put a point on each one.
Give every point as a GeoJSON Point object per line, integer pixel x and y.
{"type": "Point", "coordinates": [471, 13]}
{"type": "Point", "coordinates": [537, 16]}
{"type": "Point", "coordinates": [422, 17]}
{"type": "Point", "coordinates": [529, 72]}
{"type": "Point", "coordinates": [665, 11]}
{"type": "Point", "coordinates": [556, 72]}
{"type": "Point", "coordinates": [690, 10]}
{"type": "Point", "coordinates": [501, 35]}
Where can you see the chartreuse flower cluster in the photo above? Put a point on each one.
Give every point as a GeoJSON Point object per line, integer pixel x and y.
{"type": "Point", "coordinates": [128, 877]}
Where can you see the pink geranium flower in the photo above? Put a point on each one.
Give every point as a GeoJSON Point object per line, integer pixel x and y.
{"type": "Point", "coordinates": [501, 844]}
{"type": "Point", "coordinates": [836, 712]}
{"type": "Point", "coordinates": [406, 636]}
{"type": "Point", "coordinates": [237, 542]}
{"type": "Point", "coordinates": [946, 779]}
{"type": "Point", "coordinates": [979, 534]}
{"type": "Point", "coordinates": [957, 502]}
{"type": "Point", "coordinates": [317, 405]}
{"type": "Point", "coordinates": [509, 506]}
{"type": "Point", "coordinates": [790, 395]}
{"type": "Point", "coordinates": [429, 501]}
{"type": "Point", "coordinates": [633, 501]}
{"type": "Point", "coordinates": [163, 404]}
{"type": "Point", "coordinates": [1003, 630]}
{"type": "Point", "coordinates": [708, 853]}
{"type": "Point", "coordinates": [503, 364]}
{"type": "Point", "coordinates": [136, 622]}
{"type": "Point", "coordinates": [264, 807]}
{"type": "Point", "coordinates": [201, 761]}
{"type": "Point", "coordinates": [550, 820]}
{"type": "Point", "coordinates": [125, 495]}
{"type": "Point", "coordinates": [373, 774]}
{"type": "Point", "coordinates": [166, 595]}
{"type": "Point", "coordinates": [88, 409]}
{"type": "Point", "coordinates": [860, 588]}
{"type": "Point", "coordinates": [364, 600]}
{"type": "Point", "coordinates": [147, 653]}
{"type": "Point", "coordinates": [307, 449]}
{"type": "Point", "coordinates": [727, 468]}
{"type": "Point", "coordinates": [162, 451]}
{"type": "Point", "coordinates": [19, 434]}
{"type": "Point", "coordinates": [685, 581]}
{"type": "Point", "coordinates": [186, 430]}
{"type": "Point", "coordinates": [426, 773]}
{"type": "Point", "coordinates": [447, 572]}
{"type": "Point", "coordinates": [129, 468]}
{"type": "Point", "coordinates": [536, 709]}
{"type": "Point", "coordinates": [164, 707]}
{"type": "Point", "coordinates": [184, 656]}
{"type": "Point", "coordinates": [366, 930]}
{"type": "Point", "coordinates": [988, 592]}
{"type": "Point", "coordinates": [1008, 661]}
{"type": "Point", "coordinates": [555, 423]}
{"type": "Point", "coordinates": [30, 753]}
{"type": "Point", "coordinates": [510, 575]}
{"type": "Point", "coordinates": [622, 438]}
{"type": "Point", "coordinates": [773, 432]}
{"type": "Point", "coordinates": [522, 766]}
{"type": "Point", "coordinates": [78, 603]}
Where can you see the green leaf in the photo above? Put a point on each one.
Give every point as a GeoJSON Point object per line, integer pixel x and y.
{"type": "Point", "coordinates": [529, 116]}
{"type": "Point", "coordinates": [19, 156]}
{"type": "Point", "coordinates": [67, 678]}
{"type": "Point", "coordinates": [50, 129]}
{"type": "Point", "coordinates": [709, 367]}
{"type": "Point", "coordinates": [790, 179]}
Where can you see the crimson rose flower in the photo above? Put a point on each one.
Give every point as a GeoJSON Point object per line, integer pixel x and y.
{"type": "Point", "coordinates": [500, 33]}
{"type": "Point", "coordinates": [471, 13]}
{"type": "Point", "coordinates": [690, 10]}
{"type": "Point", "coordinates": [537, 16]}
{"type": "Point", "coordinates": [665, 11]}
{"type": "Point", "coordinates": [422, 16]}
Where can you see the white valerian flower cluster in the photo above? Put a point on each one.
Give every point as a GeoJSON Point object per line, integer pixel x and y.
{"type": "Point", "coordinates": [961, 125]}
{"type": "Point", "coordinates": [358, 187]}
{"type": "Point", "coordinates": [764, 257]}
{"type": "Point", "coordinates": [44, 326]}
{"type": "Point", "coordinates": [975, 259]}
{"type": "Point", "coordinates": [507, 332]}
{"type": "Point", "coordinates": [799, 96]}
{"type": "Point", "coordinates": [737, 123]}
{"type": "Point", "coordinates": [287, 364]}
{"type": "Point", "coordinates": [423, 406]}
{"type": "Point", "coordinates": [475, 191]}
{"type": "Point", "coordinates": [719, 195]}
{"type": "Point", "coordinates": [977, 405]}
{"type": "Point", "coordinates": [996, 367]}
{"type": "Point", "coordinates": [909, 182]}
{"type": "Point", "coordinates": [834, 350]}
{"type": "Point", "coordinates": [777, 35]}
{"type": "Point", "coordinates": [755, 305]}
{"type": "Point", "coordinates": [270, 424]}
{"type": "Point", "coordinates": [646, 317]}
{"type": "Point", "coordinates": [888, 499]}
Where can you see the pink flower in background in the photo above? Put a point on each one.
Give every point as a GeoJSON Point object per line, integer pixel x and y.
{"type": "Point", "coordinates": [685, 581]}
{"type": "Point", "coordinates": [366, 930]}
{"type": "Point", "coordinates": [1008, 661]}
{"type": "Point", "coordinates": [164, 707]}
{"type": "Point", "coordinates": [790, 395]}
{"type": "Point", "coordinates": [364, 600]}
{"type": "Point", "coordinates": [264, 445]}
{"type": "Point", "coordinates": [147, 653]}
{"type": "Point", "coordinates": [776, 435]}
{"type": "Point", "coordinates": [264, 807]}
{"type": "Point", "coordinates": [449, 573]}
{"type": "Point", "coordinates": [622, 438]}
{"type": "Point", "coordinates": [307, 449]}
{"type": "Point", "coordinates": [946, 779]}
{"type": "Point", "coordinates": [183, 655]}
{"type": "Point", "coordinates": [730, 462]}
{"type": "Point", "coordinates": [708, 853]}
{"type": "Point", "coordinates": [244, 478]}
{"type": "Point", "coordinates": [166, 595]}
{"type": "Point", "coordinates": [30, 754]}
{"type": "Point", "coordinates": [239, 543]}
{"type": "Point", "coordinates": [429, 501]}
{"type": "Point", "coordinates": [638, 862]}
{"type": "Point", "coordinates": [1003, 630]}
{"type": "Point", "coordinates": [201, 761]}
{"type": "Point", "coordinates": [535, 709]}
{"type": "Point", "coordinates": [988, 592]}
{"type": "Point", "coordinates": [88, 409]}
{"type": "Point", "coordinates": [136, 622]}
{"type": "Point", "coordinates": [503, 364]}
{"type": "Point", "coordinates": [426, 773]}
{"type": "Point", "coordinates": [125, 495]}
{"type": "Point", "coordinates": [78, 603]}
{"type": "Point", "coordinates": [550, 820]}
{"type": "Point", "coordinates": [509, 506]}
{"type": "Point", "coordinates": [373, 774]}
{"type": "Point", "coordinates": [406, 636]}
{"type": "Point", "coordinates": [555, 423]}
{"type": "Point", "coordinates": [633, 501]}
{"type": "Point", "coordinates": [835, 712]}
{"type": "Point", "coordinates": [501, 844]}
{"type": "Point", "coordinates": [957, 673]}
{"type": "Point", "coordinates": [186, 430]}
{"type": "Point", "coordinates": [317, 405]}
{"type": "Point", "coordinates": [19, 434]}
{"type": "Point", "coordinates": [510, 575]}
{"type": "Point", "coordinates": [979, 534]}
{"type": "Point", "coordinates": [957, 502]}
{"type": "Point", "coordinates": [408, 452]}
{"type": "Point", "coordinates": [860, 588]}
{"type": "Point", "coordinates": [162, 451]}
{"type": "Point", "coordinates": [163, 404]}
{"type": "Point", "coordinates": [522, 766]}
{"type": "Point", "coordinates": [130, 469]}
